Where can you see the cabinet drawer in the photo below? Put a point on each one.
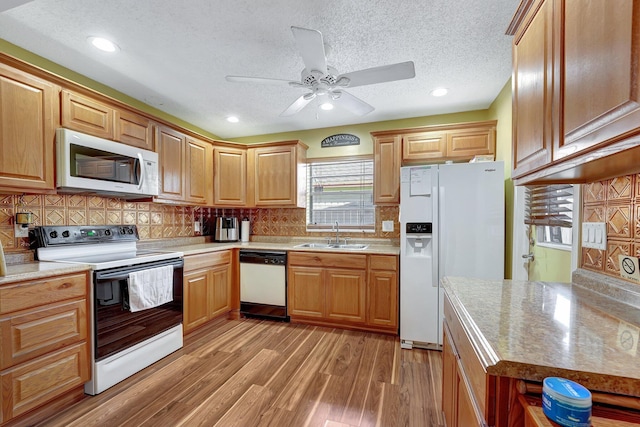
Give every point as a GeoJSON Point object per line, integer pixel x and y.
{"type": "Point", "coordinates": [40, 331]}
{"type": "Point", "coordinates": [32, 294]}
{"type": "Point", "coordinates": [473, 369]}
{"type": "Point", "coordinates": [383, 262]}
{"type": "Point", "coordinates": [34, 383]}
{"type": "Point", "coordinates": [196, 262]}
{"type": "Point", "coordinates": [316, 259]}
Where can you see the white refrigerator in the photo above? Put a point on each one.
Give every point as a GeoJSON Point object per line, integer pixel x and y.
{"type": "Point", "coordinates": [451, 224]}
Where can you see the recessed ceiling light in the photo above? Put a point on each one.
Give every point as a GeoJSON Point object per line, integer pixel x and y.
{"type": "Point", "coordinates": [103, 44]}
{"type": "Point", "coordinates": [233, 119]}
{"type": "Point", "coordinates": [326, 106]}
{"type": "Point", "coordinates": [440, 91]}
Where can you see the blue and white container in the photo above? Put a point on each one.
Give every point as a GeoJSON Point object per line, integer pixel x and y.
{"type": "Point", "coordinates": [566, 402]}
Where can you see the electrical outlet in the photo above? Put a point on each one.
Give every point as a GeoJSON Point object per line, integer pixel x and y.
{"type": "Point", "coordinates": [20, 231]}
{"type": "Point", "coordinates": [387, 225]}
{"type": "Point", "coordinates": [594, 235]}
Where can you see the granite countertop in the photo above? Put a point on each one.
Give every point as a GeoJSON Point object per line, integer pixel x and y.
{"type": "Point", "coordinates": [532, 330]}
{"type": "Point", "coordinates": [289, 245]}
{"type": "Point", "coordinates": [38, 270]}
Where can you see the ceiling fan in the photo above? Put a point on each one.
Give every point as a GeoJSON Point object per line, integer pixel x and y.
{"type": "Point", "coordinates": [322, 80]}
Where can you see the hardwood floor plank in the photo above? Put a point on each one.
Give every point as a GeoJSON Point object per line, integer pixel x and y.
{"type": "Point", "coordinates": [248, 409]}
{"type": "Point", "coordinates": [250, 372]}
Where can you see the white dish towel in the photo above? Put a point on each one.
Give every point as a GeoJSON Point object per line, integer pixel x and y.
{"type": "Point", "coordinates": [150, 288]}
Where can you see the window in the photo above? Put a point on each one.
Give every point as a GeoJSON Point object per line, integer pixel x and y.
{"type": "Point", "coordinates": [340, 190]}
{"type": "Point", "coordinates": [550, 209]}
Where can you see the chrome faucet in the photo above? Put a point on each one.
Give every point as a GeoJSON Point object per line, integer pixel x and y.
{"type": "Point", "coordinates": [337, 233]}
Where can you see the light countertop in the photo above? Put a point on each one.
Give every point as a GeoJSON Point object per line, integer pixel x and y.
{"type": "Point", "coordinates": [532, 330]}
{"type": "Point", "coordinates": [38, 270]}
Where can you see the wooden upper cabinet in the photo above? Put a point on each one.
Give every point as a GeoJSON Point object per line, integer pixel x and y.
{"type": "Point", "coordinates": [386, 164]}
{"type": "Point", "coordinates": [28, 118]}
{"type": "Point", "coordinates": [170, 147]}
{"type": "Point", "coordinates": [424, 145]}
{"type": "Point", "coordinates": [601, 73]}
{"type": "Point", "coordinates": [466, 143]}
{"type": "Point", "coordinates": [576, 111]}
{"type": "Point", "coordinates": [86, 115]}
{"type": "Point", "coordinates": [97, 118]}
{"type": "Point", "coordinates": [533, 92]}
{"type": "Point", "coordinates": [198, 165]}
{"type": "Point", "coordinates": [278, 176]}
{"type": "Point", "coordinates": [132, 129]}
{"type": "Point", "coordinates": [229, 176]}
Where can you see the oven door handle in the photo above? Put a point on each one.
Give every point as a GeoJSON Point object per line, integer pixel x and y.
{"type": "Point", "coordinates": [123, 273]}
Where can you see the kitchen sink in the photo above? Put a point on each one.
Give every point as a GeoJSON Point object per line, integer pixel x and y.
{"type": "Point", "coordinates": [313, 245]}
{"type": "Point", "coordinates": [347, 246]}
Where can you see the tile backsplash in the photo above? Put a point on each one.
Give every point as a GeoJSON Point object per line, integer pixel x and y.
{"type": "Point", "coordinates": [615, 202]}
{"type": "Point", "coordinates": [157, 220]}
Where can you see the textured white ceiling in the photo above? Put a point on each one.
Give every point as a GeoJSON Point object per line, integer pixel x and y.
{"type": "Point", "coordinates": [175, 54]}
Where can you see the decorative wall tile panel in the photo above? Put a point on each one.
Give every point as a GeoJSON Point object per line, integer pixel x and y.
{"type": "Point", "coordinates": [114, 217]}
{"type": "Point", "coordinates": [6, 237]}
{"type": "Point", "coordinates": [144, 231]}
{"type": "Point", "coordinates": [56, 200]}
{"type": "Point", "coordinates": [614, 249]}
{"type": "Point", "coordinates": [591, 213]}
{"type": "Point", "coordinates": [114, 203]}
{"type": "Point", "coordinates": [97, 217]}
{"type": "Point", "coordinates": [128, 217]}
{"type": "Point", "coordinates": [143, 218]}
{"type": "Point", "coordinates": [620, 188]}
{"type": "Point", "coordinates": [619, 221]}
{"type": "Point", "coordinates": [54, 216]}
{"type": "Point", "coordinates": [592, 259]}
{"type": "Point", "coordinates": [6, 217]}
{"type": "Point", "coordinates": [96, 202]}
{"type": "Point", "coordinates": [594, 192]}
{"type": "Point", "coordinates": [75, 200]}
{"type": "Point", "coordinates": [6, 200]}
{"type": "Point", "coordinates": [77, 217]}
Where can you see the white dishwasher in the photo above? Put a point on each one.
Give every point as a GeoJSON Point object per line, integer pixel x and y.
{"type": "Point", "coordinates": [263, 284]}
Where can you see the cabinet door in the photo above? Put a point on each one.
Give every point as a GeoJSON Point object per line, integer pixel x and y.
{"type": "Point", "coordinates": [28, 119]}
{"type": "Point", "coordinates": [198, 180]}
{"type": "Point", "coordinates": [275, 176]}
{"type": "Point", "coordinates": [306, 295]}
{"type": "Point", "coordinates": [424, 146]}
{"type": "Point", "coordinates": [386, 178]}
{"type": "Point", "coordinates": [230, 176]}
{"type": "Point", "coordinates": [34, 383]}
{"type": "Point", "coordinates": [196, 310]}
{"type": "Point", "coordinates": [41, 331]}
{"type": "Point", "coordinates": [383, 299]}
{"type": "Point", "coordinates": [534, 127]}
{"type": "Point", "coordinates": [132, 129]}
{"type": "Point", "coordinates": [346, 294]}
{"type": "Point", "coordinates": [601, 73]}
{"type": "Point", "coordinates": [220, 291]}
{"type": "Point", "coordinates": [465, 144]}
{"type": "Point", "coordinates": [449, 380]}
{"type": "Point", "coordinates": [467, 412]}
{"type": "Point", "coordinates": [86, 115]}
{"type": "Point", "coordinates": [170, 148]}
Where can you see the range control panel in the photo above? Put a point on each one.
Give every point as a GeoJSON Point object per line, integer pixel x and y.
{"type": "Point", "coordinates": [81, 234]}
{"type": "Point", "coordinates": [419, 227]}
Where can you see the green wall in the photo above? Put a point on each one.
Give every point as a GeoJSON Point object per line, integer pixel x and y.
{"type": "Point", "coordinates": [550, 265]}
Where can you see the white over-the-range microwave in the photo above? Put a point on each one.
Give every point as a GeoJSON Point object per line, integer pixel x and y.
{"type": "Point", "coordinates": [87, 164]}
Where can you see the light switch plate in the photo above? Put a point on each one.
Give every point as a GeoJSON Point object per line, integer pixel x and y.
{"type": "Point", "coordinates": [594, 235]}
{"type": "Point", "coordinates": [387, 225]}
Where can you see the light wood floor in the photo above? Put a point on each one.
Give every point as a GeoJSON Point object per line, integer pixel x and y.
{"type": "Point", "coordinates": [260, 373]}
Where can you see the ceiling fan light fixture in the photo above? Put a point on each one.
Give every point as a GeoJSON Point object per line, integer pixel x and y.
{"type": "Point", "coordinates": [233, 119]}
{"type": "Point", "coordinates": [326, 106]}
{"type": "Point", "coordinates": [439, 91]}
{"type": "Point", "coordinates": [103, 44]}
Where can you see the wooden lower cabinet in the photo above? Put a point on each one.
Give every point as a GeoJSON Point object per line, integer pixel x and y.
{"type": "Point", "coordinates": [342, 290]}
{"type": "Point", "coordinates": [44, 341]}
{"type": "Point", "coordinates": [207, 288]}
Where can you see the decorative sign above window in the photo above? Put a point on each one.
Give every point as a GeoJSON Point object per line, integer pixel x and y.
{"type": "Point", "coordinates": [339, 140]}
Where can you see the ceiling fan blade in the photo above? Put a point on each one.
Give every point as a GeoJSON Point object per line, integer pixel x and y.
{"type": "Point", "coordinates": [297, 105]}
{"type": "Point", "coordinates": [261, 80]}
{"type": "Point", "coordinates": [384, 73]}
{"type": "Point", "coordinates": [351, 103]}
{"type": "Point", "coordinates": [311, 48]}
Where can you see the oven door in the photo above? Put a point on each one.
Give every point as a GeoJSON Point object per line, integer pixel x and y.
{"type": "Point", "coordinates": [116, 328]}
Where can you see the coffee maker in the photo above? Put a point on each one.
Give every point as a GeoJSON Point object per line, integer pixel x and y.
{"type": "Point", "coordinates": [226, 229]}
